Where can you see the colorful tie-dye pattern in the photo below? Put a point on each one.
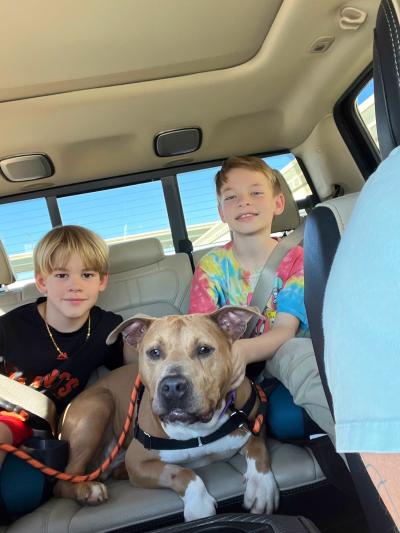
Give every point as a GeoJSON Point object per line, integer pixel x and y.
{"type": "Point", "coordinates": [220, 280]}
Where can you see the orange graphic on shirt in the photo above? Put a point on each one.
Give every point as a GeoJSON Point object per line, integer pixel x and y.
{"type": "Point", "coordinates": [48, 381]}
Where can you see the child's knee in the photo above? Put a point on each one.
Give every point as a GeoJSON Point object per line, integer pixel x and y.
{"type": "Point", "coordinates": [294, 363]}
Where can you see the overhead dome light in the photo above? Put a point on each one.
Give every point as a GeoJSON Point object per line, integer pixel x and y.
{"type": "Point", "coordinates": [27, 167]}
{"type": "Point", "coordinates": [177, 142]}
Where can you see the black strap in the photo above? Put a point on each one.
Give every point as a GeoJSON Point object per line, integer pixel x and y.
{"type": "Point", "coordinates": [186, 246]}
{"type": "Point", "coordinates": [238, 418]}
{"type": "Point", "coordinates": [332, 465]}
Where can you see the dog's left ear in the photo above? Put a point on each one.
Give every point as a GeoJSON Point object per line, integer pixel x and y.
{"type": "Point", "coordinates": [234, 319]}
{"type": "Point", "coordinates": [133, 329]}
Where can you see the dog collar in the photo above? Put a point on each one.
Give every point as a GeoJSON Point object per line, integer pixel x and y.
{"type": "Point", "coordinates": [237, 419]}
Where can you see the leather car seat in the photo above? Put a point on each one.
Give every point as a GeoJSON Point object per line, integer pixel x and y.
{"type": "Point", "coordinates": [326, 223]}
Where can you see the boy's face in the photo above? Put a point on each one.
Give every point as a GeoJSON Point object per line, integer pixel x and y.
{"type": "Point", "coordinates": [247, 203]}
{"type": "Point", "coordinates": [72, 290]}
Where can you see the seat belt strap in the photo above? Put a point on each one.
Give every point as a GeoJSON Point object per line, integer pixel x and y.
{"type": "Point", "coordinates": [15, 396]}
{"type": "Point", "coordinates": [266, 280]}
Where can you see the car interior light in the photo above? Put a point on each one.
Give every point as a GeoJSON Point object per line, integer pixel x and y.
{"type": "Point", "coordinates": [27, 167]}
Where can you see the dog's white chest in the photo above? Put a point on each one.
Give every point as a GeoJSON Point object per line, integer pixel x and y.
{"type": "Point", "coordinates": [223, 448]}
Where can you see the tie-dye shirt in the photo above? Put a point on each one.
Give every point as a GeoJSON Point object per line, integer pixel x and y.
{"type": "Point", "coordinates": [220, 280]}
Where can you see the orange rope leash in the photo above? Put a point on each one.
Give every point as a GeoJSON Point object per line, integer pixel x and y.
{"type": "Point", "coordinates": [259, 421]}
{"type": "Point", "coordinates": [73, 478]}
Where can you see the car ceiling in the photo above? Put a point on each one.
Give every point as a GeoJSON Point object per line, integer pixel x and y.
{"type": "Point", "coordinates": [91, 83]}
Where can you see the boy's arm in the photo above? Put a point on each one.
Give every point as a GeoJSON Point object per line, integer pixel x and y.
{"type": "Point", "coordinates": [263, 347]}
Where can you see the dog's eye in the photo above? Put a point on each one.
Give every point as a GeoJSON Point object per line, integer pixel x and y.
{"type": "Point", "coordinates": [154, 353]}
{"type": "Point", "coordinates": [204, 350]}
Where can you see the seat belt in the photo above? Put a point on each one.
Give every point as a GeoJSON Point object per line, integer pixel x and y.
{"type": "Point", "coordinates": [15, 396]}
{"type": "Point", "coordinates": [266, 280]}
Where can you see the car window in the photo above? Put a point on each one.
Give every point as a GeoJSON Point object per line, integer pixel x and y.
{"type": "Point", "coordinates": [365, 109]}
{"type": "Point", "coordinates": [131, 212]}
{"type": "Point", "coordinates": [120, 214]}
{"type": "Point", "coordinates": [22, 224]}
{"type": "Point", "coordinates": [197, 190]}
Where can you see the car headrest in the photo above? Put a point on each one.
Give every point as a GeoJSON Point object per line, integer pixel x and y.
{"type": "Point", "coordinates": [129, 255]}
{"type": "Point", "coordinates": [6, 273]}
{"type": "Point", "coordinates": [387, 75]}
{"type": "Point", "coordinates": [290, 217]}
{"type": "Point", "coordinates": [341, 209]}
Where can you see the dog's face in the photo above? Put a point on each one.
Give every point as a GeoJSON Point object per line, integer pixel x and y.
{"type": "Point", "coordinates": [185, 361]}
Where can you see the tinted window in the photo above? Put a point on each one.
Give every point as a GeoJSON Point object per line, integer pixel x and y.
{"type": "Point", "coordinates": [125, 213]}
{"type": "Point", "coordinates": [365, 108]}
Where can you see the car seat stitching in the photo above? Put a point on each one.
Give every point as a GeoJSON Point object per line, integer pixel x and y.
{"type": "Point", "coordinates": [394, 22]}
{"type": "Point", "coordinates": [393, 46]}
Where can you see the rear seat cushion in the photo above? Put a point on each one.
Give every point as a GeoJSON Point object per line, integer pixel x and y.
{"type": "Point", "coordinates": [6, 274]}
{"type": "Point", "coordinates": [131, 255]}
{"type": "Point", "coordinates": [293, 467]}
{"type": "Point", "coordinates": [144, 280]}
{"type": "Point", "coordinates": [9, 300]}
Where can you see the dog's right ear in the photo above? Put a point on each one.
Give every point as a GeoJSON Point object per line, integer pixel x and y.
{"type": "Point", "coordinates": [233, 319]}
{"type": "Point", "coordinates": [133, 329]}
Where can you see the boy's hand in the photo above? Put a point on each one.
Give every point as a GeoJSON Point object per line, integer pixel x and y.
{"type": "Point", "coordinates": [245, 351]}
{"type": "Point", "coordinates": [239, 363]}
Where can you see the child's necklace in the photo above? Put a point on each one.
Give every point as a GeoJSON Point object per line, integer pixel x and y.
{"type": "Point", "coordinates": [62, 355]}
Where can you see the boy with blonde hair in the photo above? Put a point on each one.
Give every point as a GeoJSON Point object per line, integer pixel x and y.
{"type": "Point", "coordinates": [55, 343]}
{"type": "Point", "coordinates": [249, 197]}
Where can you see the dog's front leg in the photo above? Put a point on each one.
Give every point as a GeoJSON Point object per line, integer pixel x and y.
{"type": "Point", "coordinates": [84, 424]}
{"type": "Point", "coordinates": [154, 473]}
{"type": "Point", "coordinates": [261, 493]}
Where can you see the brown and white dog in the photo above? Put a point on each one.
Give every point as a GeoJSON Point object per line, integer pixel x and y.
{"type": "Point", "coordinates": [186, 367]}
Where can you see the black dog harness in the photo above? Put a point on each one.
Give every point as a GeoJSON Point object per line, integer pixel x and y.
{"type": "Point", "coordinates": [237, 419]}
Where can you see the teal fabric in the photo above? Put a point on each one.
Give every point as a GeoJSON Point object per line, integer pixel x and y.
{"type": "Point", "coordinates": [21, 486]}
{"type": "Point", "coordinates": [284, 418]}
{"type": "Point", "coordinates": [362, 317]}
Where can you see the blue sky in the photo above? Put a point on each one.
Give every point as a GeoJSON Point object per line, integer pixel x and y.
{"type": "Point", "coordinates": [366, 92]}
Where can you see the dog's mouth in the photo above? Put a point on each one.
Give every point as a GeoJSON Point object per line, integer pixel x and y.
{"type": "Point", "coordinates": [183, 417]}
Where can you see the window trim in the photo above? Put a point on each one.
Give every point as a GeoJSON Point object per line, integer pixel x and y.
{"type": "Point", "coordinates": [353, 131]}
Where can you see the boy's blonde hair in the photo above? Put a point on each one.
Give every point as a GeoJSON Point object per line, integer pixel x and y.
{"type": "Point", "coordinates": [250, 163]}
{"type": "Point", "coordinates": [54, 250]}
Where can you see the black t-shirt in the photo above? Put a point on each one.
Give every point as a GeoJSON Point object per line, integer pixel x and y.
{"type": "Point", "coordinates": [30, 356]}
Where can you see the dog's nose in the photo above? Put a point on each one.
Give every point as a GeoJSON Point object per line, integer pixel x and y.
{"type": "Point", "coordinates": [173, 388]}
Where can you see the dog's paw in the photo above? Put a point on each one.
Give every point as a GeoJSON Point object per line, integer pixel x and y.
{"type": "Point", "coordinates": [198, 503]}
{"type": "Point", "coordinates": [91, 493]}
{"type": "Point", "coordinates": [262, 493]}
